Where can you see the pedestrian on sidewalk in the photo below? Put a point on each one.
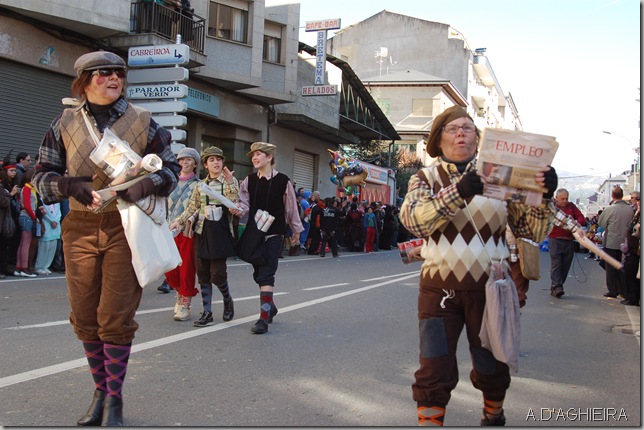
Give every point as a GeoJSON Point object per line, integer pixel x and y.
{"type": "Point", "coordinates": [270, 191]}
{"type": "Point", "coordinates": [214, 229]}
{"type": "Point", "coordinates": [614, 220]}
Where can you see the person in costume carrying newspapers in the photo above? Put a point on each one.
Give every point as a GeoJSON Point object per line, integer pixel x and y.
{"type": "Point", "coordinates": [104, 292]}
{"type": "Point", "coordinates": [270, 191]}
{"type": "Point", "coordinates": [444, 206]}
{"type": "Point", "coordinates": [214, 228]}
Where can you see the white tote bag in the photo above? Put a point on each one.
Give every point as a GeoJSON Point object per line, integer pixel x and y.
{"type": "Point", "coordinates": [153, 249]}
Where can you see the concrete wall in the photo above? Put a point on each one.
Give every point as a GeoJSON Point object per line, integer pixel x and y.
{"type": "Point", "coordinates": [412, 44]}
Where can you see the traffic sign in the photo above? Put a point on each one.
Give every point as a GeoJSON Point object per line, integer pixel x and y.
{"type": "Point", "coordinates": [170, 120]}
{"type": "Point", "coordinates": [168, 74]}
{"type": "Point", "coordinates": [160, 91]}
{"type": "Point", "coordinates": [164, 107]}
{"type": "Point", "coordinates": [160, 55]}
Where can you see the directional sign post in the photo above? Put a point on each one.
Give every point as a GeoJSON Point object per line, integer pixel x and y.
{"type": "Point", "coordinates": [161, 55]}
{"type": "Point", "coordinates": [160, 90]}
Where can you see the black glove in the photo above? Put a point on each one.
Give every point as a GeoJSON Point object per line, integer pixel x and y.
{"type": "Point", "coordinates": [141, 189]}
{"type": "Point", "coordinates": [470, 184]}
{"type": "Point", "coordinates": [550, 182]}
{"type": "Point", "coordinates": [77, 187]}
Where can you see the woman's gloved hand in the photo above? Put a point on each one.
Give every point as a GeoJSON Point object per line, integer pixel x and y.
{"type": "Point", "coordinates": [77, 187]}
{"type": "Point", "coordinates": [141, 189]}
{"type": "Point", "coordinates": [470, 185]}
{"type": "Point", "coordinates": [550, 181]}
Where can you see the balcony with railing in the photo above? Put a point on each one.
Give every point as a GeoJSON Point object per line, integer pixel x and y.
{"type": "Point", "coordinates": [150, 17]}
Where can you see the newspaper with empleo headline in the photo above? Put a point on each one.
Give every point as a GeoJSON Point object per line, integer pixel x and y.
{"type": "Point", "coordinates": [509, 160]}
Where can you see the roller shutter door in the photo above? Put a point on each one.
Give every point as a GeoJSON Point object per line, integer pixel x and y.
{"type": "Point", "coordinates": [304, 170]}
{"type": "Point", "coordinates": [31, 99]}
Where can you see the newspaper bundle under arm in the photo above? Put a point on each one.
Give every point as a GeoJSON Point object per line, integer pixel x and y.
{"type": "Point", "coordinates": [508, 161]}
{"type": "Point", "coordinates": [149, 164]}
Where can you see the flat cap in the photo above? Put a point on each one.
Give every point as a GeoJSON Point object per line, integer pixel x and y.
{"type": "Point", "coordinates": [212, 151]}
{"type": "Point", "coordinates": [188, 152]}
{"type": "Point", "coordinates": [267, 148]}
{"type": "Point", "coordinates": [98, 60]}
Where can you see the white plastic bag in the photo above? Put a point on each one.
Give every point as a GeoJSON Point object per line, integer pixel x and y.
{"type": "Point", "coordinates": [501, 326]}
{"type": "Point", "coordinates": [153, 249]}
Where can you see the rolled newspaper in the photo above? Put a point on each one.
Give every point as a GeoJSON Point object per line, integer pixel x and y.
{"type": "Point", "coordinates": [568, 223]}
{"type": "Point", "coordinates": [268, 223]}
{"type": "Point", "coordinates": [148, 164]}
{"type": "Point", "coordinates": [262, 220]}
{"type": "Point", "coordinates": [217, 195]}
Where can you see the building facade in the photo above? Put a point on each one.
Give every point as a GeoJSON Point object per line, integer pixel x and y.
{"type": "Point", "coordinates": [415, 69]}
{"type": "Point", "coordinates": [245, 63]}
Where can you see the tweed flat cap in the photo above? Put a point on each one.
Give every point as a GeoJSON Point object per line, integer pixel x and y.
{"type": "Point", "coordinates": [98, 60]}
{"type": "Point", "coordinates": [210, 151]}
{"type": "Point", "coordinates": [188, 152]}
{"type": "Point", "coordinates": [267, 148]}
{"type": "Point", "coordinates": [448, 115]}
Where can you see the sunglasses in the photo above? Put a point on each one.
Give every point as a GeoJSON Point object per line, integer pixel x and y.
{"type": "Point", "coordinates": [120, 73]}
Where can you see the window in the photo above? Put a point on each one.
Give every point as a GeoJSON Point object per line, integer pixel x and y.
{"type": "Point", "coordinates": [272, 42]}
{"type": "Point", "coordinates": [229, 22]}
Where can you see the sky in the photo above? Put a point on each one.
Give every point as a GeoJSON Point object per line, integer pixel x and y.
{"type": "Point", "coordinates": [571, 66]}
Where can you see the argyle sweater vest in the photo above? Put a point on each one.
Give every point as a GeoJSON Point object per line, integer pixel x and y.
{"type": "Point", "coordinates": [132, 127]}
{"type": "Point", "coordinates": [455, 257]}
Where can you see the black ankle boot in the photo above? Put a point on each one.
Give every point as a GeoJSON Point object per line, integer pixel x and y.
{"type": "Point", "coordinates": [229, 310]}
{"type": "Point", "coordinates": [95, 412]}
{"type": "Point", "coordinates": [113, 412]}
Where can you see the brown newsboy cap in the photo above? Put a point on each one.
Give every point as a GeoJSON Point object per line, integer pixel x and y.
{"type": "Point", "coordinates": [447, 116]}
{"type": "Point", "coordinates": [212, 151]}
{"type": "Point", "coordinates": [267, 148]}
{"type": "Point", "coordinates": [98, 60]}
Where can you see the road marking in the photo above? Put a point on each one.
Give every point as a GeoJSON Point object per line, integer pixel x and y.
{"type": "Point", "coordinates": [147, 311]}
{"type": "Point", "coordinates": [380, 277]}
{"type": "Point", "coordinates": [73, 364]}
{"type": "Point", "coordinates": [324, 286]}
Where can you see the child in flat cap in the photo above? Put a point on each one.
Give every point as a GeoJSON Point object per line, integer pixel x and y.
{"type": "Point", "coordinates": [212, 224]}
{"type": "Point", "coordinates": [271, 191]}
{"type": "Point", "coordinates": [103, 289]}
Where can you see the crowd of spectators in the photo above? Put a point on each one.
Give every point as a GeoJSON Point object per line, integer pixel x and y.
{"type": "Point", "coordinates": [355, 224]}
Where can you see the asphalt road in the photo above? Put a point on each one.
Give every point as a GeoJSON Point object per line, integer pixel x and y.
{"type": "Point", "coordinates": [341, 352]}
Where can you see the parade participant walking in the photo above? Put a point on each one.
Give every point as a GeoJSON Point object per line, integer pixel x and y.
{"type": "Point", "coordinates": [561, 246]}
{"type": "Point", "coordinates": [271, 191]}
{"type": "Point", "coordinates": [103, 289]}
{"type": "Point", "coordinates": [214, 229]}
{"type": "Point", "coordinates": [182, 278]}
{"type": "Point", "coordinates": [444, 207]}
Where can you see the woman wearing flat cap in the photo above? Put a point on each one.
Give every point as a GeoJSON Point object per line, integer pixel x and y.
{"type": "Point", "coordinates": [103, 289]}
{"type": "Point", "coordinates": [271, 191]}
{"type": "Point", "coordinates": [444, 206]}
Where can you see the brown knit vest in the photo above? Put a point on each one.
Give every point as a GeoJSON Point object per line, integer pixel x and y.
{"type": "Point", "coordinates": [132, 128]}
